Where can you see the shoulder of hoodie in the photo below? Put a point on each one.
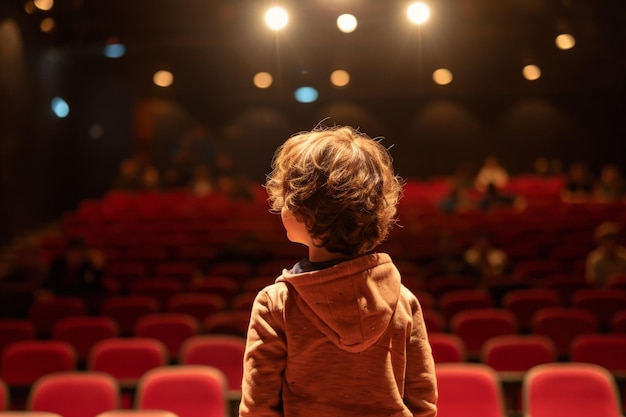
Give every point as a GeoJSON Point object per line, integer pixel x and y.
{"type": "Point", "coordinates": [278, 292]}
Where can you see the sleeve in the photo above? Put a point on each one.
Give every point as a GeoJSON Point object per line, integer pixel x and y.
{"type": "Point", "coordinates": [420, 391]}
{"type": "Point", "coordinates": [264, 361]}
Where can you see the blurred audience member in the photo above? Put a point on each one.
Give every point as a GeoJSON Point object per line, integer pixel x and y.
{"type": "Point", "coordinates": [491, 173]}
{"type": "Point", "coordinates": [449, 259]}
{"type": "Point", "coordinates": [609, 258]}
{"type": "Point", "coordinates": [578, 186]}
{"type": "Point", "coordinates": [202, 182]}
{"type": "Point", "coordinates": [457, 200]}
{"type": "Point", "coordinates": [485, 259]}
{"type": "Point", "coordinates": [611, 185]}
{"type": "Point", "coordinates": [137, 174]}
{"type": "Point", "coordinates": [194, 148]}
{"type": "Point", "coordinates": [493, 198]}
{"type": "Point", "coordinates": [77, 271]}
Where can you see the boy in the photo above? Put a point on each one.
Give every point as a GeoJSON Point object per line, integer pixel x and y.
{"type": "Point", "coordinates": [337, 335]}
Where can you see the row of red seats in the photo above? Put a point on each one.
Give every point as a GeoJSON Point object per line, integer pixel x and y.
{"type": "Point", "coordinates": [165, 391]}
{"type": "Point", "coordinates": [572, 389]}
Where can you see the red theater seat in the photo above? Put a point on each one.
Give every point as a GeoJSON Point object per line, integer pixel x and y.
{"type": "Point", "coordinates": [75, 394]}
{"type": "Point", "coordinates": [447, 348]}
{"type": "Point", "coordinates": [187, 391]}
{"type": "Point", "coordinates": [83, 332]}
{"type": "Point", "coordinates": [468, 390]}
{"type": "Point", "coordinates": [171, 329]}
{"type": "Point", "coordinates": [569, 389]}
{"type": "Point", "coordinates": [562, 325]}
{"type": "Point", "coordinates": [26, 361]}
{"type": "Point", "coordinates": [220, 351]}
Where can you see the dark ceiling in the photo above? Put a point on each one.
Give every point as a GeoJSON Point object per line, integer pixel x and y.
{"type": "Point", "coordinates": [217, 46]}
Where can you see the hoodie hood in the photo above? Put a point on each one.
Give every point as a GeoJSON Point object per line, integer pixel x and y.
{"type": "Point", "coordinates": [353, 302]}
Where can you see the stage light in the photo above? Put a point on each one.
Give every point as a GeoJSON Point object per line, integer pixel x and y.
{"type": "Point", "coordinates": [418, 13]}
{"type": "Point", "coordinates": [347, 23]}
{"type": "Point", "coordinates": [340, 78]}
{"type": "Point", "coordinates": [276, 18]}
{"type": "Point", "coordinates": [306, 95]}
{"type": "Point", "coordinates": [531, 72]}
{"type": "Point", "coordinates": [565, 41]}
{"type": "Point", "coordinates": [163, 78]}
{"type": "Point", "coordinates": [263, 79]}
{"type": "Point", "coordinates": [114, 50]}
{"type": "Point", "coordinates": [44, 5]}
{"type": "Point", "coordinates": [30, 7]}
{"type": "Point", "coordinates": [47, 25]}
{"type": "Point", "coordinates": [59, 107]}
{"type": "Point", "coordinates": [442, 76]}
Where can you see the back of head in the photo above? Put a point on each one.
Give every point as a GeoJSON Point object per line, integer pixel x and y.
{"type": "Point", "coordinates": [340, 183]}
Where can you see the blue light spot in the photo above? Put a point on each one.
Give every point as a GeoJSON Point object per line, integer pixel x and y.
{"type": "Point", "coordinates": [60, 107]}
{"type": "Point", "coordinates": [114, 50]}
{"type": "Point", "coordinates": [306, 94]}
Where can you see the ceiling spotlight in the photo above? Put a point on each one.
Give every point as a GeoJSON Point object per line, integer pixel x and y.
{"type": "Point", "coordinates": [418, 13]}
{"type": "Point", "coordinates": [276, 18]}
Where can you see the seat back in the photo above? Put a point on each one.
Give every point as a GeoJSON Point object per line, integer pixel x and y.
{"type": "Point", "coordinates": [199, 306]}
{"type": "Point", "coordinates": [468, 390]}
{"type": "Point", "coordinates": [83, 332]}
{"type": "Point", "coordinates": [447, 347]}
{"type": "Point", "coordinates": [606, 350]}
{"type": "Point", "coordinates": [187, 391]}
{"type": "Point", "coordinates": [475, 327]}
{"type": "Point", "coordinates": [562, 325]}
{"type": "Point", "coordinates": [75, 394]}
{"type": "Point", "coordinates": [603, 303]}
{"type": "Point", "coordinates": [15, 330]}
{"type": "Point", "coordinates": [137, 413]}
{"type": "Point", "coordinates": [127, 359]}
{"type": "Point", "coordinates": [26, 361]}
{"type": "Point", "coordinates": [126, 310]}
{"type": "Point", "coordinates": [171, 329]}
{"type": "Point", "coordinates": [220, 351]}
{"type": "Point", "coordinates": [569, 389]}
{"type": "Point", "coordinates": [455, 301]}
{"type": "Point", "coordinates": [28, 414]}
{"type": "Point", "coordinates": [524, 303]}
{"type": "Point", "coordinates": [5, 398]}
{"type": "Point", "coordinates": [44, 313]}
{"type": "Point", "coordinates": [517, 353]}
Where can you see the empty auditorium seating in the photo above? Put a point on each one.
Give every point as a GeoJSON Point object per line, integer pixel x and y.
{"type": "Point", "coordinates": [5, 397]}
{"type": "Point", "coordinates": [223, 287]}
{"type": "Point", "coordinates": [28, 414]}
{"type": "Point", "coordinates": [227, 322]}
{"type": "Point", "coordinates": [160, 288]}
{"type": "Point", "coordinates": [447, 347]}
{"type": "Point", "coordinates": [603, 303]}
{"type": "Point", "coordinates": [223, 352]}
{"type": "Point", "coordinates": [172, 329]}
{"type": "Point", "coordinates": [187, 391]}
{"type": "Point", "coordinates": [14, 330]}
{"type": "Point", "coordinates": [199, 306]}
{"type": "Point", "coordinates": [44, 313]}
{"type": "Point", "coordinates": [127, 309]}
{"type": "Point", "coordinates": [83, 332]}
{"type": "Point", "coordinates": [569, 389]}
{"type": "Point", "coordinates": [618, 322]}
{"type": "Point", "coordinates": [453, 302]}
{"type": "Point", "coordinates": [606, 350]}
{"type": "Point", "coordinates": [127, 359]}
{"type": "Point", "coordinates": [75, 394]}
{"type": "Point", "coordinates": [26, 361]}
{"type": "Point", "coordinates": [136, 413]}
{"type": "Point", "coordinates": [562, 325]}
{"type": "Point", "coordinates": [524, 303]}
{"type": "Point", "coordinates": [434, 320]}
{"type": "Point", "coordinates": [512, 355]}
{"type": "Point", "coordinates": [475, 327]}
{"type": "Point", "coordinates": [468, 390]}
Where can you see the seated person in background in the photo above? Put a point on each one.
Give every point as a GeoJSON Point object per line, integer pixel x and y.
{"type": "Point", "coordinates": [578, 185]}
{"type": "Point", "coordinates": [76, 272]}
{"type": "Point", "coordinates": [485, 259]}
{"type": "Point", "coordinates": [491, 173]}
{"type": "Point", "coordinates": [457, 200]}
{"type": "Point", "coordinates": [609, 258]}
{"type": "Point", "coordinates": [202, 182]}
{"type": "Point", "coordinates": [493, 198]}
{"type": "Point", "coordinates": [611, 185]}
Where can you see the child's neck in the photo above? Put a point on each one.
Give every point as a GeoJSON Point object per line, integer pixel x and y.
{"type": "Point", "coordinates": [322, 255]}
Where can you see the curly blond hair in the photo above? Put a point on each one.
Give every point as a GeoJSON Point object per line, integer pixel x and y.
{"type": "Point", "coordinates": [340, 183]}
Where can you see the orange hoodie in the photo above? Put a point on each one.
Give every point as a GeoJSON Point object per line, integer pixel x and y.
{"type": "Point", "coordinates": [344, 341]}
